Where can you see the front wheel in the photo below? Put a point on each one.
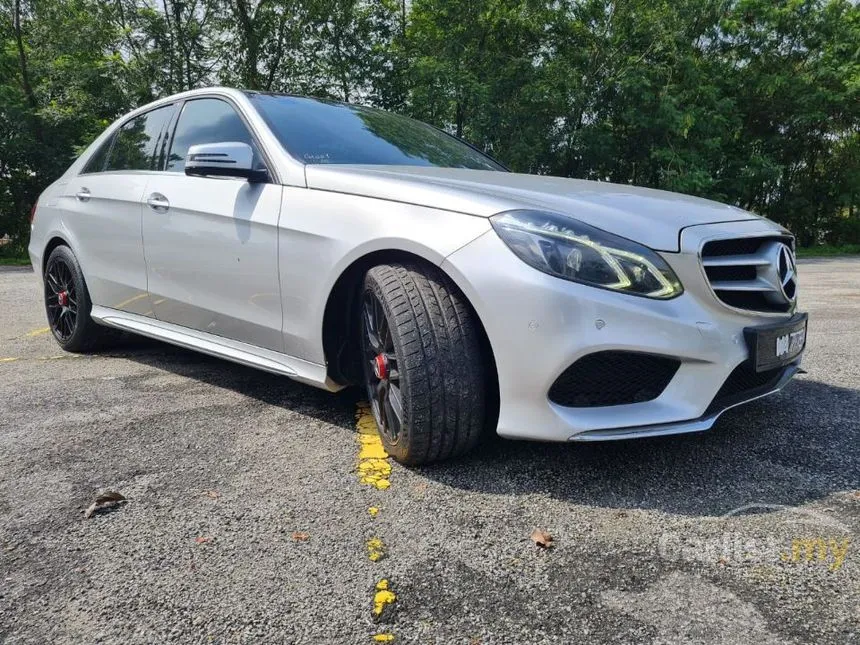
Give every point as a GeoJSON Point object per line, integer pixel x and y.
{"type": "Point", "coordinates": [424, 368]}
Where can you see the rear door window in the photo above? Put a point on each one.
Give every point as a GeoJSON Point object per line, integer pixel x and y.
{"type": "Point", "coordinates": [97, 162]}
{"type": "Point", "coordinates": [138, 142]}
{"type": "Point", "coordinates": [207, 121]}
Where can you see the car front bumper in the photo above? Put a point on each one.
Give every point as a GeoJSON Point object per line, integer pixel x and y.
{"type": "Point", "coordinates": [538, 325]}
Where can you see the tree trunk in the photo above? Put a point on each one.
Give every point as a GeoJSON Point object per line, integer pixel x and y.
{"type": "Point", "coordinates": [250, 75]}
{"type": "Point", "coordinates": [279, 52]}
{"type": "Point", "coordinates": [460, 115]}
{"type": "Point", "coordinates": [22, 59]}
{"type": "Point", "coordinates": [171, 88]}
{"type": "Point", "coordinates": [185, 72]}
{"type": "Point", "coordinates": [26, 86]}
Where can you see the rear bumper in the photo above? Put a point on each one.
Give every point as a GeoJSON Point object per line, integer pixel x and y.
{"type": "Point", "coordinates": [36, 262]}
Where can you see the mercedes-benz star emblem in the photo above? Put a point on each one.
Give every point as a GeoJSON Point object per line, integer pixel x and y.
{"type": "Point", "coordinates": [779, 273]}
{"type": "Point", "coordinates": [787, 271]}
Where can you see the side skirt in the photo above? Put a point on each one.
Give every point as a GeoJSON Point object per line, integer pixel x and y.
{"type": "Point", "coordinates": [218, 346]}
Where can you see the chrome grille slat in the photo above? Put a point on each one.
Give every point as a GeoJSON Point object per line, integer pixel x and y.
{"type": "Point", "coordinates": [749, 273]}
{"type": "Point", "coordinates": [735, 260]}
{"type": "Point", "coordinates": [742, 285]}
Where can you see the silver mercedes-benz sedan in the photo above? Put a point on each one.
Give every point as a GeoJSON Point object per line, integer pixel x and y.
{"type": "Point", "coordinates": [337, 244]}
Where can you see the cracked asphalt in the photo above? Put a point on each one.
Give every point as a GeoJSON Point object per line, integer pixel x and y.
{"type": "Point", "coordinates": [246, 521]}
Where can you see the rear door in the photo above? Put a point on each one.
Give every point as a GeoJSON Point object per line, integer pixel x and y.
{"type": "Point", "coordinates": [212, 243]}
{"type": "Point", "coordinates": [102, 208]}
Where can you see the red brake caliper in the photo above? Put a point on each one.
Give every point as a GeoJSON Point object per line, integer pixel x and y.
{"type": "Point", "coordinates": [63, 299]}
{"type": "Point", "coordinates": [380, 367]}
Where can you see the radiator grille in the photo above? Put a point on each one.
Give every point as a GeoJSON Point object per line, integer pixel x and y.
{"type": "Point", "coordinates": [753, 273]}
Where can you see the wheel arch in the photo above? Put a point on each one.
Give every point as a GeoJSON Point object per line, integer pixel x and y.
{"type": "Point", "coordinates": [59, 234]}
{"type": "Point", "coordinates": [53, 242]}
{"type": "Point", "coordinates": [340, 337]}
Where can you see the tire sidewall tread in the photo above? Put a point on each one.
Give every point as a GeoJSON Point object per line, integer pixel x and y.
{"type": "Point", "coordinates": [88, 335]}
{"type": "Point", "coordinates": [442, 373]}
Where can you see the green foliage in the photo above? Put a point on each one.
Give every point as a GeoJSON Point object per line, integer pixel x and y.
{"type": "Point", "coordinates": [19, 259]}
{"type": "Point", "coordinates": [56, 93]}
{"type": "Point", "coordinates": [751, 102]}
{"type": "Point", "coordinates": [828, 251]}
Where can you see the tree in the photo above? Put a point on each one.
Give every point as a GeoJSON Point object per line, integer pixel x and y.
{"type": "Point", "coordinates": [57, 90]}
{"type": "Point", "coordinates": [751, 102]}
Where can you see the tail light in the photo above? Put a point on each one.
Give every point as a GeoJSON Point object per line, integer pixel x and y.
{"type": "Point", "coordinates": [33, 211]}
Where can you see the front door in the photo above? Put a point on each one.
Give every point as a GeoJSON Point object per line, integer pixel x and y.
{"type": "Point", "coordinates": [211, 244]}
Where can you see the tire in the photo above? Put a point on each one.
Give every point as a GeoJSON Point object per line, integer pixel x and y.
{"type": "Point", "coordinates": [68, 304]}
{"type": "Point", "coordinates": [422, 358]}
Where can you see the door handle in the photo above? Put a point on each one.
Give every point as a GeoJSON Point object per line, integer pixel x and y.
{"type": "Point", "coordinates": [158, 202]}
{"type": "Point", "coordinates": [83, 195]}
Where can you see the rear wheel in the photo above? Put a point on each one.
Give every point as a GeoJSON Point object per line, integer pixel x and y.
{"type": "Point", "coordinates": [424, 370]}
{"type": "Point", "coordinates": [67, 303]}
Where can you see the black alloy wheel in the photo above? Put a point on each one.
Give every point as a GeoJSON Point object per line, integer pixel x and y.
{"type": "Point", "coordinates": [424, 366]}
{"type": "Point", "coordinates": [68, 305]}
{"type": "Point", "coordinates": [381, 375]}
{"type": "Point", "coordinates": [61, 299]}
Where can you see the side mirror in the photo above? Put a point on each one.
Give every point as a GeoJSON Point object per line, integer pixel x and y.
{"type": "Point", "coordinates": [227, 159]}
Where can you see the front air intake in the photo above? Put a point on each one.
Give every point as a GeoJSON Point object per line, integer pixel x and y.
{"type": "Point", "coordinates": [613, 378]}
{"type": "Point", "coordinates": [743, 384]}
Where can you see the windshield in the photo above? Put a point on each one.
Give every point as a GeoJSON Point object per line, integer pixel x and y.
{"type": "Point", "coordinates": [324, 132]}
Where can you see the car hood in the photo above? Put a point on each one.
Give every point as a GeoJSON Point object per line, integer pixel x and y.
{"type": "Point", "coordinates": [652, 217]}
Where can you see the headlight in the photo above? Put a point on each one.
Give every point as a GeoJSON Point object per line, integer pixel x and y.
{"type": "Point", "coordinates": [569, 249]}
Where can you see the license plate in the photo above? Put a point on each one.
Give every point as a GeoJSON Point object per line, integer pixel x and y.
{"type": "Point", "coordinates": [773, 346]}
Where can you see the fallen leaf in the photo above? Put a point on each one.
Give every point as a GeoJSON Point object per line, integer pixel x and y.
{"type": "Point", "coordinates": [202, 540]}
{"type": "Point", "coordinates": [301, 536]}
{"type": "Point", "coordinates": [542, 538]}
{"type": "Point", "coordinates": [213, 494]}
{"type": "Point", "coordinates": [108, 499]}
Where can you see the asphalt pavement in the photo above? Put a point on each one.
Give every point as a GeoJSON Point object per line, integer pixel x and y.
{"type": "Point", "coordinates": [260, 510]}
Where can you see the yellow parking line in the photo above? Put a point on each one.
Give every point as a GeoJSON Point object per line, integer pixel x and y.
{"type": "Point", "coordinates": [374, 468]}
{"type": "Point", "coordinates": [126, 303]}
{"type": "Point", "coordinates": [375, 549]}
{"type": "Point", "coordinates": [58, 357]}
{"type": "Point", "coordinates": [383, 597]}
{"type": "Point", "coordinates": [38, 332]}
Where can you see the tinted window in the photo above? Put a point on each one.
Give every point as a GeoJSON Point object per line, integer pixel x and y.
{"type": "Point", "coordinates": [137, 142]}
{"type": "Point", "coordinates": [97, 161]}
{"type": "Point", "coordinates": [325, 132]}
{"type": "Point", "coordinates": [207, 121]}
